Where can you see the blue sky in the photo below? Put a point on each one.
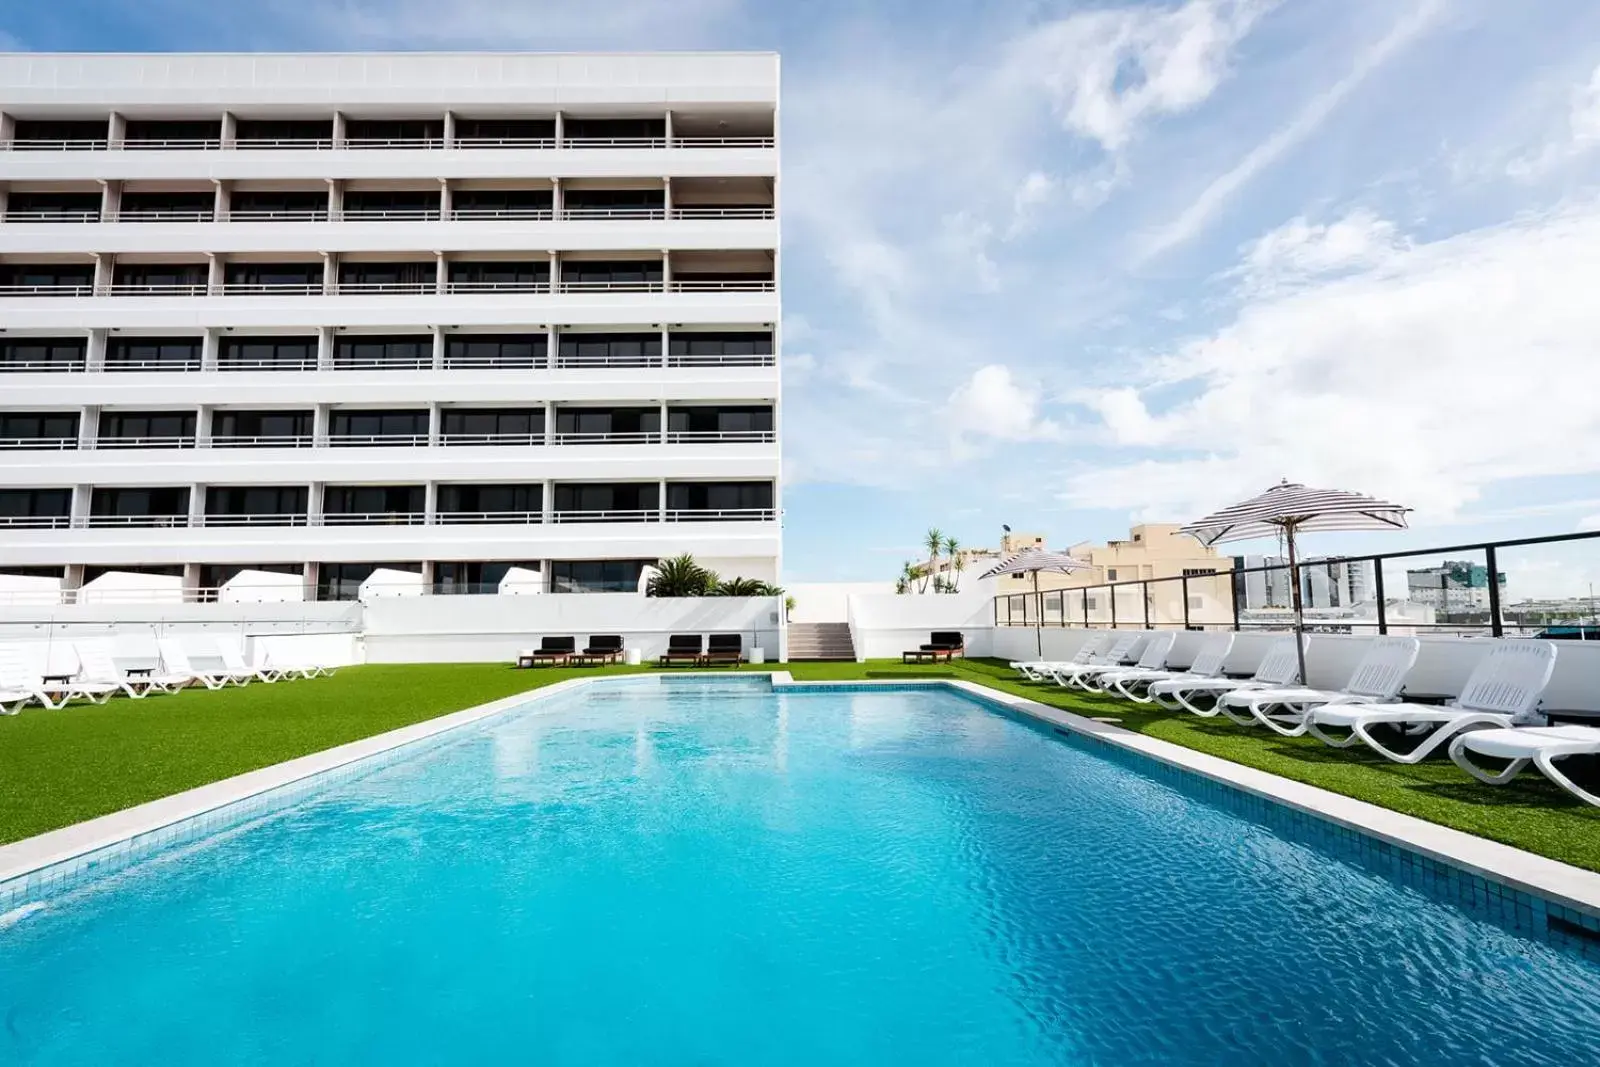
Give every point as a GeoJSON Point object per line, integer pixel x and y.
{"type": "Point", "coordinates": [1067, 265]}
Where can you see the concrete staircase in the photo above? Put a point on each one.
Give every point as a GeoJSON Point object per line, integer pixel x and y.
{"type": "Point", "coordinates": [820, 641]}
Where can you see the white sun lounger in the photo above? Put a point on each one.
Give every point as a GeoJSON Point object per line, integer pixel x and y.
{"type": "Point", "coordinates": [1153, 657]}
{"type": "Point", "coordinates": [1502, 691]}
{"type": "Point", "coordinates": [233, 659]}
{"type": "Point", "coordinates": [1207, 664]}
{"type": "Point", "coordinates": [97, 665]}
{"type": "Point", "coordinates": [1377, 679]}
{"type": "Point", "coordinates": [176, 661]}
{"type": "Point", "coordinates": [17, 675]}
{"type": "Point", "coordinates": [1278, 667]}
{"type": "Point", "coordinates": [1543, 746]}
{"type": "Point", "coordinates": [1117, 654]}
{"type": "Point", "coordinates": [1037, 670]}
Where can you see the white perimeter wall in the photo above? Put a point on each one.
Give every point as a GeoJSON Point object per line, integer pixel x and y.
{"type": "Point", "coordinates": [490, 629]}
{"type": "Point", "coordinates": [885, 625]}
{"type": "Point", "coordinates": [830, 601]}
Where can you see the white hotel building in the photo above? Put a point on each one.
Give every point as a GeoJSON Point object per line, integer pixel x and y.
{"type": "Point", "coordinates": [443, 314]}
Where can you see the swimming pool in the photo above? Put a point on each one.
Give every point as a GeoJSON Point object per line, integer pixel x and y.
{"type": "Point", "coordinates": [647, 872]}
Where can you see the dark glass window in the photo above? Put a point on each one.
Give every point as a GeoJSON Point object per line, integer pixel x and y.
{"type": "Point", "coordinates": [482, 498]}
{"type": "Point", "coordinates": [260, 424]}
{"type": "Point", "coordinates": [342, 581]}
{"type": "Point", "coordinates": [402, 424]}
{"type": "Point", "coordinates": [608, 496]}
{"type": "Point", "coordinates": [256, 500]}
{"type": "Point", "coordinates": [616, 271]}
{"type": "Point", "coordinates": [172, 130]}
{"type": "Point", "coordinates": [298, 275]}
{"type": "Point", "coordinates": [718, 496]}
{"type": "Point", "coordinates": [719, 420]}
{"type": "Point", "coordinates": [160, 274]}
{"type": "Point", "coordinates": [534, 273]}
{"type": "Point", "coordinates": [268, 353]}
{"type": "Point", "coordinates": [720, 344]}
{"type": "Point", "coordinates": [39, 503]}
{"type": "Point", "coordinates": [372, 201]}
{"type": "Point", "coordinates": [597, 575]}
{"type": "Point", "coordinates": [122, 425]}
{"type": "Point", "coordinates": [608, 420]}
{"type": "Point", "coordinates": [415, 274]}
{"type": "Point", "coordinates": [506, 129]}
{"type": "Point", "coordinates": [192, 203]}
{"type": "Point", "coordinates": [393, 129]}
{"type": "Point", "coordinates": [48, 275]}
{"type": "Point", "coordinates": [479, 422]}
{"type": "Point", "coordinates": [47, 130]}
{"type": "Point", "coordinates": [166, 500]}
{"type": "Point", "coordinates": [466, 578]}
{"type": "Point", "coordinates": [494, 350]}
{"type": "Point", "coordinates": [606, 128]}
{"type": "Point", "coordinates": [279, 200]}
{"type": "Point", "coordinates": [43, 353]}
{"type": "Point", "coordinates": [72, 205]}
{"type": "Point", "coordinates": [610, 349]}
{"type": "Point", "coordinates": [619, 200]}
{"type": "Point", "coordinates": [153, 353]}
{"type": "Point", "coordinates": [501, 200]}
{"type": "Point", "coordinates": [283, 130]}
{"type": "Point", "coordinates": [359, 350]}
{"type": "Point", "coordinates": [39, 425]}
{"type": "Point", "coordinates": [372, 499]}
{"type": "Point", "coordinates": [216, 575]}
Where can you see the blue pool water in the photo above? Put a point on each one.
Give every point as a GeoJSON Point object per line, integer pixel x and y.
{"type": "Point", "coordinates": [670, 874]}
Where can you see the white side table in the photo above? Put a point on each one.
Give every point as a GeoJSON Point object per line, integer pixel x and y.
{"type": "Point", "coordinates": [757, 655]}
{"type": "Point", "coordinates": [632, 657]}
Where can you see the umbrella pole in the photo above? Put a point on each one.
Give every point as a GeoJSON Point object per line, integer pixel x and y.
{"type": "Point", "coordinates": [1038, 618]}
{"type": "Point", "coordinates": [1294, 598]}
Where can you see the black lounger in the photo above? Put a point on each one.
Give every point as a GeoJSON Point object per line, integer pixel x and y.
{"type": "Point", "coordinates": [724, 649]}
{"type": "Point", "coordinates": [550, 650]}
{"type": "Point", "coordinates": [683, 648]}
{"type": "Point", "coordinates": [603, 648]}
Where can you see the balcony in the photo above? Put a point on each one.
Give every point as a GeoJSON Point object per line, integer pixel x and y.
{"type": "Point", "coordinates": [261, 429]}
{"type": "Point", "coordinates": [394, 133]}
{"type": "Point", "coordinates": [383, 352]}
{"type": "Point", "coordinates": [607, 426]}
{"type": "Point", "coordinates": [159, 279]}
{"type": "Point", "coordinates": [255, 505]}
{"type": "Point", "coordinates": [390, 206]}
{"type": "Point", "coordinates": [719, 502]}
{"type": "Point", "coordinates": [498, 276]}
{"type": "Point", "coordinates": [163, 507]}
{"type": "Point", "coordinates": [720, 515]}
{"type": "Point", "coordinates": [278, 206]}
{"type": "Point", "coordinates": [29, 431]}
{"type": "Point", "coordinates": [145, 429]}
{"type": "Point", "coordinates": [608, 515]}
{"type": "Point", "coordinates": [166, 207]}
{"type": "Point", "coordinates": [385, 429]}
{"type": "Point", "coordinates": [614, 133]}
{"type": "Point", "coordinates": [491, 426]}
{"type": "Point", "coordinates": [152, 354]}
{"type": "Point", "coordinates": [535, 205]}
{"type": "Point", "coordinates": [405, 278]}
{"type": "Point", "coordinates": [478, 351]}
{"type": "Point", "coordinates": [53, 207]}
{"type": "Point", "coordinates": [46, 279]}
{"type": "Point", "coordinates": [504, 133]}
{"type": "Point", "coordinates": [304, 134]}
{"type": "Point", "coordinates": [270, 353]}
{"type": "Point", "coordinates": [145, 135]}
{"type": "Point", "coordinates": [608, 350]}
{"type": "Point", "coordinates": [60, 135]}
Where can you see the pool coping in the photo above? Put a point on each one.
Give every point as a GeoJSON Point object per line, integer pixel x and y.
{"type": "Point", "coordinates": [1560, 883]}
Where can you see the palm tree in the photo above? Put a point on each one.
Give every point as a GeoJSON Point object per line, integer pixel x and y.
{"type": "Point", "coordinates": [745, 587]}
{"type": "Point", "coordinates": [908, 575]}
{"type": "Point", "coordinates": [680, 576]}
{"type": "Point", "coordinates": [933, 541]}
{"type": "Point", "coordinates": [952, 549]}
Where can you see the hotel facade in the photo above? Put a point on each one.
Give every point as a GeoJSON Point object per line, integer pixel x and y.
{"type": "Point", "coordinates": [451, 317]}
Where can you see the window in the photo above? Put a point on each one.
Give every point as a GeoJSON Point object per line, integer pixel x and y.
{"type": "Point", "coordinates": [402, 425]}
{"type": "Point", "coordinates": [74, 206]}
{"type": "Point", "coordinates": [153, 353]}
{"type": "Point", "coordinates": [153, 426]}
{"type": "Point", "coordinates": [283, 130]}
{"type": "Point", "coordinates": [608, 349]}
{"type": "Point", "coordinates": [24, 354]}
{"type": "Point", "coordinates": [1111, 574]}
{"type": "Point", "coordinates": [256, 500]}
{"type": "Point", "coordinates": [501, 273]}
{"type": "Point", "coordinates": [491, 498]}
{"type": "Point", "coordinates": [197, 203]}
{"type": "Point", "coordinates": [495, 350]}
{"type": "Point", "coordinates": [392, 202]}
{"type": "Point", "coordinates": [158, 130]}
{"type": "Point", "coordinates": [43, 426]}
{"type": "Point", "coordinates": [623, 496]}
{"type": "Point", "coordinates": [359, 351]}
{"type": "Point", "coordinates": [719, 496]}
{"type": "Point", "coordinates": [740, 420]}
{"type": "Point", "coordinates": [278, 201]}
{"type": "Point", "coordinates": [614, 272]}
{"type": "Point", "coordinates": [259, 429]}
{"type": "Point", "coordinates": [394, 129]}
{"type": "Point", "coordinates": [608, 421]}
{"type": "Point", "coordinates": [506, 129]}
{"type": "Point", "coordinates": [70, 277]}
{"type": "Point", "coordinates": [372, 499]}
{"type": "Point", "coordinates": [342, 581]}
{"type": "Point", "coordinates": [299, 276]}
{"type": "Point", "coordinates": [46, 504]}
{"type": "Point", "coordinates": [613, 128]}
{"type": "Point", "coordinates": [459, 578]}
{"type": "Point", "coordinates": [736, 347]}
{"type": "Point", "coordinates": [81, 131]}
{"type": "Point", "coordinates": [268, 353]}
{"type": "Point", "coordinates": [620, 201]}
{"type": "Point", "coordinates": [161, 502]}
{"type": "Point", "coordinates": [185, 276]}
{"type": "Point", "coordinates": [493, 422]}
{"type": "Point", "coordinates": [492, 201]}
{"type": "Point", "coordinates": [597, 575]}
{"type": "Point", "coordinates": [411, 276]}
{"type": "Point", "coordinates": [1196, 572]}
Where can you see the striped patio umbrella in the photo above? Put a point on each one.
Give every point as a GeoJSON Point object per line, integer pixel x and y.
{"type": "Point", "coordinates": [1032, 561]}
{"type": "Point", "coordinates": [1288, 509]}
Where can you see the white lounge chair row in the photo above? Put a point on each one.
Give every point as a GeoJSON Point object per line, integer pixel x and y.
{"type": "Point", "coordinates": [98, 677]}
{"type": "Point", "coordinates": [1496, 714]}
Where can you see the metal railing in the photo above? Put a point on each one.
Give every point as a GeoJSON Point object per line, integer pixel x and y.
{"type": "Point", "coordinates": [161, 521]}
{"type": "Point", "coordinates": [286, 518]}
{"type": "Point", "coordinates": [630, 213]}
{"type": "Point", "coordinates": [387, 288]}
{"type": "Point", "coordinates": [237, 364]}
{"type": "Point", "coordinates": [608, 360]}
{"type": "Point", "coordinates": [397, 440]}
{"type": "Point", "coordinates": [709, 211]}
{"type": "Point", "coordinates": [613, 142]}
{"type": "Point", "coordinates": [105, 443]}
{"type": "Point", "coordinates": [749, 359]}
{"type": "Point", "coordinates": [153, 289]}
{"type": "Point", "coordinates": [36, 522]}
{"type": "Point", "coordinates": [494, 518]}
{"type": "Point", "coordinates": [503, 142]}
{"type": "Point", "coordinates": [100, 144]}
{"type": "Point", "coordinates": [71, 215]}
{"type": "Point", "coordinates": [724, 142]}
{"type": "Point", "coordinates": [724, 285]}
{"type": "Point", "coordinates": [720, 437]}
{"type": "Point", "coordinates": [44, 366]}
{"type": "Point", "coordinates": [361, 143]}
{"type": "Point", "coordinates": [309, 214]}
{"type": "Point", "coordinates": [68, 289]}
{"type": "Point", "coordinates": [268, 143]}
{"type": "Point", "coordinates": [468, 440]}
{"type": "Point", "coordinates": [37, 444]}
{"type": "Point", "coordinates": [1099, 606]}
{"type": "Point", "coordinates": [607, 438]}
{"type": "Point", "coordinates": [373, 518]}
{"type": "Point", "coordinates": [523, 214]}
{"type": "Point", "coordinates": [164, 214]}
{"type": "Point", "coordinates": [720, 515]}
{"type": "Point", "coordinates": [175, 144]}
{"type": "Point", "coordinates": [535, 362]}
{"type": "Point", "coordinates": [537, 285]}
{"type": "Point", "coordinates": [606, 515]}
{"type": "Point", "coordinates": [382, 363]}
{"type": "Point", "coordinates": [84, 144]}
{"type": "Point", "coordinates": [640, 286]}
{"type": "Point", "coordinates": [272, 288]}
{"type": "Point", "coordinates": [390, 214]}
{"type": "Point", "coordinates": [261, 441]}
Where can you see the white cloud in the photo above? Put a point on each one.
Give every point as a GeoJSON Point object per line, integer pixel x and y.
{"type": "Point", "coordinates": [1417, 21]}
{"type": "Point", "coordinates": [1443, 369]}
{"type": "Point", "coordinates": [1109, 72]}
{"type": "Point", "coordinates": [1301, 250]}
{"type": "Point", "coordinates": [1579, 135]}
{"type": "Point", "coordinates": [543, 24]}
{"type": "Point", "coordinates": [993, 404]}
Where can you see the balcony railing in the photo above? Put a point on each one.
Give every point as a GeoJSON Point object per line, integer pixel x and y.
{"type": "Point", "coordinates": [723, 142]}
{"type": "Point", "coordinates": [176, 144]}
{"type": "Point", "coordinates": [390, 214]}
{"type": "Point", "coordinates": [236, 364]}
{"type": "Point", "coordinates": [294, 143]}
{"type": "Point", "coordinates": [374, 518]}
{"type": "Point", "coordinates": [524, 214]}
{"type": "Point", "coordinates": [640, 286]}
{"type": "Point", "coordinates": [470, 440]}
{"type": "Point", "coordinates": [265, 519]}
{"type": "Point", "coordinates": [538, 285]}
{"type": "Point", "coordinates": [607, 438]}
{"type": "Point", "coordinates": [607, 359]}
{"type": "Point", "coordinates": [100, 144]}
{"type": "Point", "coordinates": [503, 142]}
{"type": "Point", "coordinates": [423, 362]}
{"type": "Point", "coordinates": [370, 440]}
{"type": "Point", "coordinates": [709, 211]}
{"type": "Point", "coordinates": [647, 515]}
{"type": "Point", "coordinates": [86, 144]}
{"type": "Point", "coordinates": [43, 366]}
{"type": "Point", "coordinates": [272, 289]}
{"type": "Point", "coordinates": [720, 437]}
{"type": "Point", "coordinates": [724, 285]}
{"type": "Point", "coordinates": [388, 288]}
{"type": "Point", "coordinates": [154, 289]}
{"type": "Point", "coordinates": [534, 362]}
{"type": "Point", "coordinates": [262, 441]}
{"type": "Point", "coordinates": [163, 521]}
{"type": "Point", "coordinates": [413, 288]}
{"type": "Point", "coordinates": [634, 214]}
{"type": "Point", "coordinates": [720, 515]}
{"type": "Point", "coordinates": [68, 289]}
{"type": "Point", "coordinates": [35, 522]}
{"type": "Point", "coordinates": [696, 212]}
{"type": "Point", "coordinates": [164, 214]}
{"type": "Point", "coordinates": [720, 359]}
{"type": "Point", "coordinates": [308, 214]}
{"type": "Point", "coordinates": [493, 518]}
{"type": "Point", "coordinates": [361, 143]}
{"type": "Point", "coordinates": [37, 444]}
{"type": "Point", "coordinates": [74, 215]}
{"type": "Point", "coordinates": [613, 142]}
{"type": "Point", "coordinates": [103, 443]}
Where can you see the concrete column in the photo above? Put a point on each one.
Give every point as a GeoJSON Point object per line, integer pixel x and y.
{"type": "Point", "coordinates": [669, 127]}
{"type": "Point", "coordinates": [661, 501]}
{"type": "Point", "coordinates": [556, 205]}
{"type": "Point", "coordinates": [95, 354]}
{"type": "Point", "coordinates": [338, 129]}
{"type": "Point", "coordinates": [222, 201]}
{"type": "Point", "coordinates": [435, 420]}
{"type": "Point", "coordinates": [325, 348]}
{"type": "Point", "coordinates": [547, 497]}
{"type": "Point", "coordinates": [444, 199]}
{"type": "Point", "coordinates": [230, 129]}
{"type": "Point", "coordinates": [5, 199]}
{"type": "Point", "coordinates": [666, 270]}
{"type": "Point", "coordinates": [441, 273]}
{"type": "Point", "coordinates": [116, 130]}
{"type": "Point", "coordinates": [438, 348]}
{"type": "Point", "coordinates": [430, 503]}
{"type": "Point", "coordinates": [449, 129]}
{"type": "Point", "coordinates": [561, 130]}
{"type": "Point", "coordinates": [319, 425]}
{"type": "Point", "coordinates": [191, 583]}
{"type": "Point", "coordinates": [330, 274]}
{"type": "Point", "coordinates": [666, 197]}
{"type": "Point", "coordinates": [103, 271]}
{"type": "Point", "coordinates": [661, 433]}
{"type": "Point", "coordinates": [202, 426]}
{"type": "Point", "coordinates": [549, 423]}
{"type": "Point", "coordinates": [214, 274]}
{"type": "Point", "coordinates": [308, 577]}
{"type": "Point", "coordinates": [197, 505]}
{"type": "Point", "coordinates": [80, 504]}
{"type": "Point", "coordinates": [88, 426]}
{"type": "Point", "coordinates": [666, 343]}
{"type": "Point", "coordinates": [555, 271]}
{"type": "Point", "coordinates": [208, 349]}
{"type": "Point", "coordinates": [8, 128]}
{"type": "Point", "coordinates": [110, 200]}
{"type": "Point", "coordinates": [314, 504]}
{"type": "Point", "coordinates": [552, 341]}
{"type": "Point", "coordinates": [71, 582]}
{"type": "Point", "coordinates": [427, 577]}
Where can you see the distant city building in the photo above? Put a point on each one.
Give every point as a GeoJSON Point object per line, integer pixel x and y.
{"type": "Point", "coordinates": [1325, 582]}
{"type": "Point", "coordinates": [1453, 586]}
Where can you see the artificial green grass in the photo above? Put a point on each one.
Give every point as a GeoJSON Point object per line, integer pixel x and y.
{"type": "Point", "coordinates": [61, 767]}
